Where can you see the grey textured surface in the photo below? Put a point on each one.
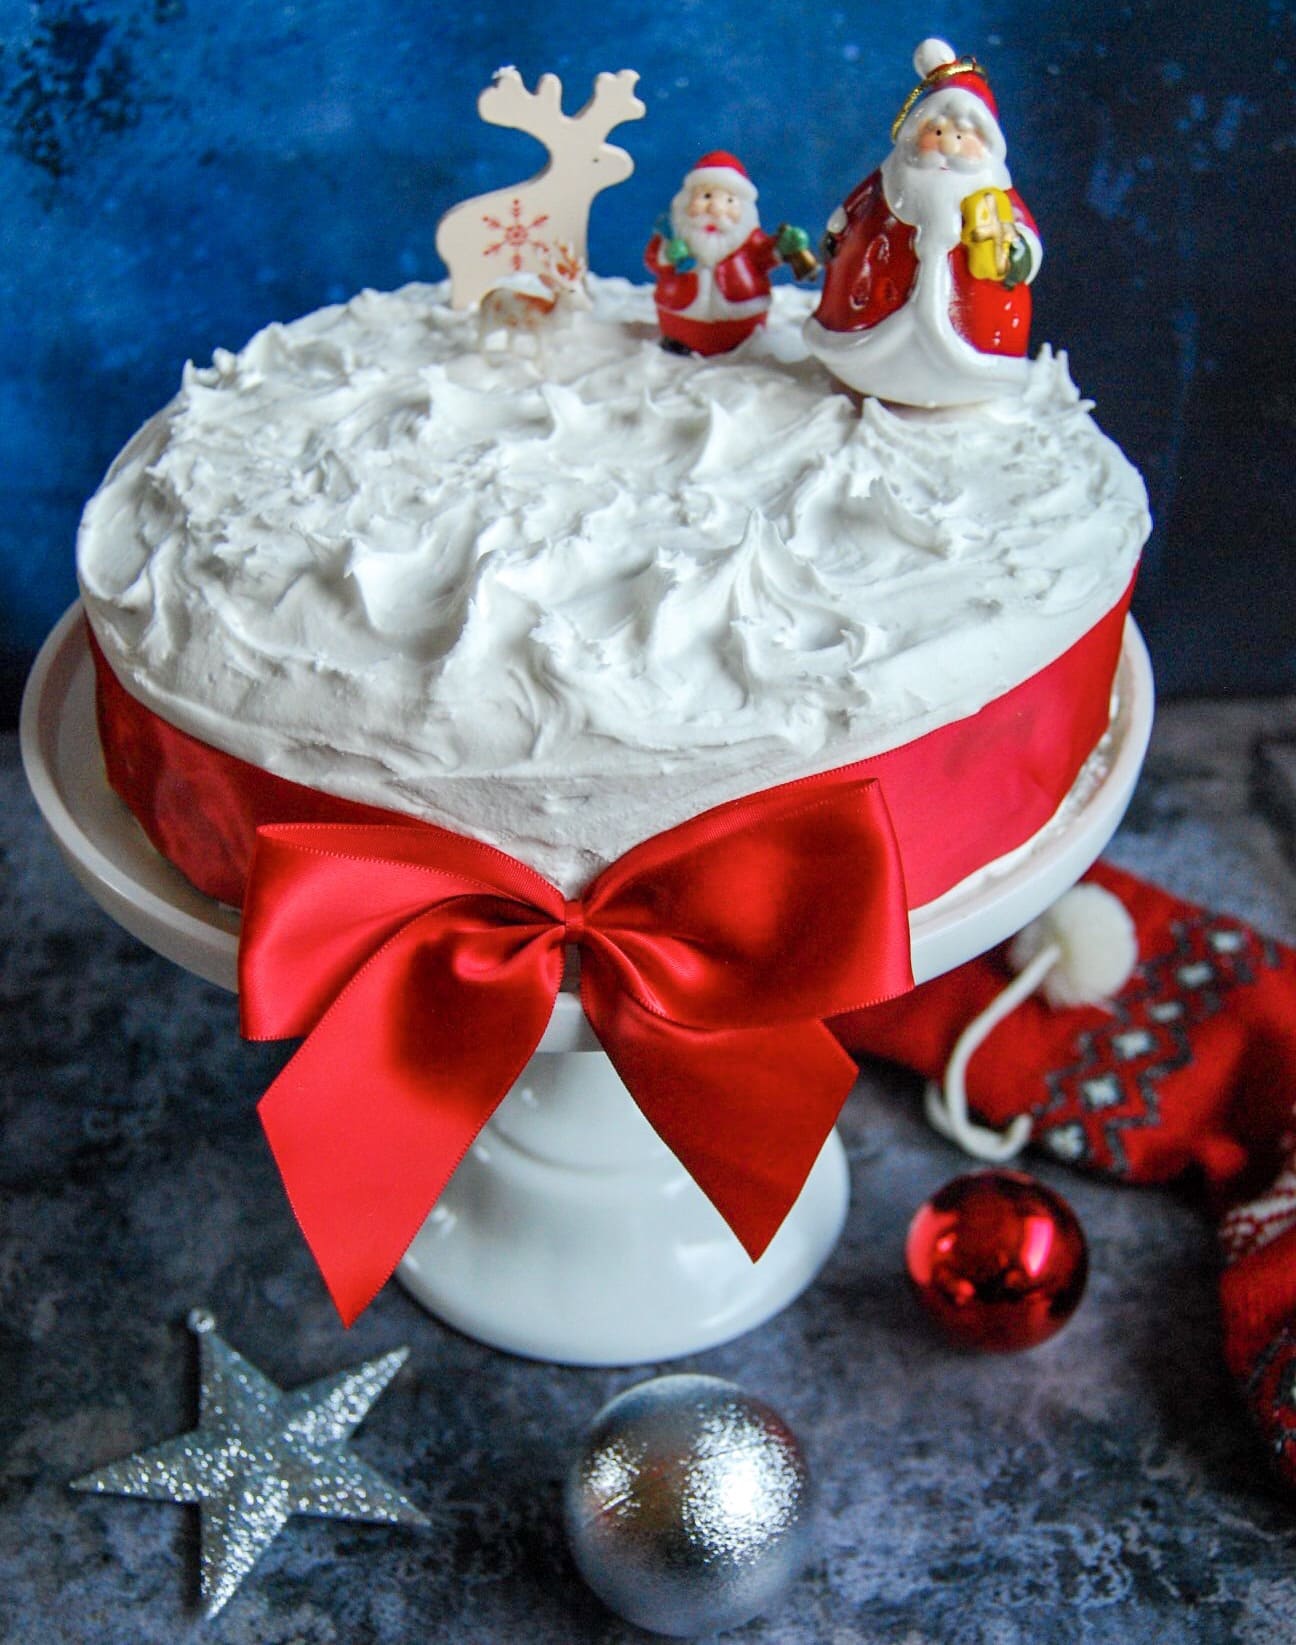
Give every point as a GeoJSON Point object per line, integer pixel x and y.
{"type": "Point", "coordinates": [1105, 1487]}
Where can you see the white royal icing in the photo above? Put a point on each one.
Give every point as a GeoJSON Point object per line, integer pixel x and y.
{"type": "Point", "coordinates": [563, 600]}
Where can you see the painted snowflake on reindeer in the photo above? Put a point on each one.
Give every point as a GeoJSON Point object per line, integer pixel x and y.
{"type": "Point", "coordinates": [515, 235]}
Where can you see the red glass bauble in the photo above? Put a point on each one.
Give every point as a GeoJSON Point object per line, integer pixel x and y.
{"type": "Point", "coordinates": [998, 1259]}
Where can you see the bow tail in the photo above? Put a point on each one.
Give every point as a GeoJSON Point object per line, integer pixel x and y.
{"type": "Point", "coordinates": [371, 1117]}
{"type": "Point", "coordinates": [746, 1111]}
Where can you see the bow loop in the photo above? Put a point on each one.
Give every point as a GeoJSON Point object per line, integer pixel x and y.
{"type": "Point", "coordinates": [777, 910]}
{"type": "Point", "coordinates": [423, 967]}
{"type": "Point", "coordinates": [324, 898]}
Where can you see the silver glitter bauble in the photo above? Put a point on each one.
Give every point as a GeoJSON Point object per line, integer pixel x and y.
{"type": "Point", "coordinates": [689, 1506]}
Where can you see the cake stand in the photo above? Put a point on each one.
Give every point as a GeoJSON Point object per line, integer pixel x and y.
{"type": "Point", "coordinates": [569, 1232]}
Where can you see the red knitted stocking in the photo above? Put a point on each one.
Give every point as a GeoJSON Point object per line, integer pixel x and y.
{"type": "Point", "coordinates": [1192, 1066]}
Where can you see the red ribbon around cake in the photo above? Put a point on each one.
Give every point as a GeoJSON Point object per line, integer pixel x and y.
{"type": "Point", "coordinates": [958, 797]}
{"type": "Point", "coordinates": [423, 966]}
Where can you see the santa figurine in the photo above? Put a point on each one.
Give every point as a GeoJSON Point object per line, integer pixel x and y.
{"type": "Point", "coordinates": [926, 297]}
{"type": "Point", "coordinates": [713, 267]}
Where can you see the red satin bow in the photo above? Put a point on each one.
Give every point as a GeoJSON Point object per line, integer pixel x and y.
{"type": "Point", "coordinates": [423, 967]}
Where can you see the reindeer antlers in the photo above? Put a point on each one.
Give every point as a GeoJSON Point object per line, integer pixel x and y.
{"type": "Point", "coordinates": [507, 102]}
{"type": "Point", "coordinates": [613, 101]}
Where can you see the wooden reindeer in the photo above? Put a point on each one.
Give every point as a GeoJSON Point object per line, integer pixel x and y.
{"type": "Point", "coordinates": [514, 231]}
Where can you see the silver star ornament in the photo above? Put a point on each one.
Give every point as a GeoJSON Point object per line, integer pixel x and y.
{"type": "Point", "coordinates": [260, 1455]}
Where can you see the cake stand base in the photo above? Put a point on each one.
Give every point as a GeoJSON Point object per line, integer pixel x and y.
{"type": "Point", "coordinates": [569, 1232]}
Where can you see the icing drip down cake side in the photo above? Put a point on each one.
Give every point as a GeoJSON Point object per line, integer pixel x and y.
{"type": "Point", "coordinates": [562, 604]}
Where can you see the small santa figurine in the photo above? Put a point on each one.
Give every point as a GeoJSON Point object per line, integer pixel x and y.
{"type": "Point", "coordinates": [926, 297]}
{"type": "Point", "coordinates": [713, 268]}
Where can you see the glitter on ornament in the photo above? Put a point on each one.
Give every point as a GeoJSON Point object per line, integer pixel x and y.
{"type": "Point", "coordinates": [998, 1260]}
{"type": "Point", "coordinates": [689, 1507]}
{"type": "Point", "coordinates": [258, 1456]}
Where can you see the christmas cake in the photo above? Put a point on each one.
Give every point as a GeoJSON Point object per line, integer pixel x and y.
{"type": "Point", "coordinates": [576, 596]}
{"type": "Point", "coordinates": [562, 602]}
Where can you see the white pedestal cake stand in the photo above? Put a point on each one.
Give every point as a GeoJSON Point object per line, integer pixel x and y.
{"type": "Point", "coordinates": [569, 1233]}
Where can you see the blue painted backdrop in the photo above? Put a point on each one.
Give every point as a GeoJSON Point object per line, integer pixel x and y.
{"type": "Point", "coordinates": [176, 173]}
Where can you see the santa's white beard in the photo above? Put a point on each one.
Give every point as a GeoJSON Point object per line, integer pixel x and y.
{"type": "Point", "coordinates": [712, 246]}
{"type": "Point", "coordinates": [928, 190]}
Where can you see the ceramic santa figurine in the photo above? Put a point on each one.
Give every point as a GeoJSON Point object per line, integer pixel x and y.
{"type": "Point", "coordinates": [926, 296]}
{"type": "Point", "coordinates": [713, 268]}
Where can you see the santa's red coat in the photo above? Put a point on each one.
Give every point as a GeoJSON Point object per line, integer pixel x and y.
{"type": "Point", "coordinates": [871, 274]}
{"type": "Point", "coordinates": [741, 277]}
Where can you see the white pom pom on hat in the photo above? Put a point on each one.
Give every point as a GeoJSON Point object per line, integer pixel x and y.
{"type": "Point", "coordinates": [1099, 947]}
{"type": "Point", "coordinates": [932, 54]}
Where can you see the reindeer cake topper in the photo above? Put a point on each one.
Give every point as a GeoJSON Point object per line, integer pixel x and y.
{"type": "Point", "coordinates": [517, 231]}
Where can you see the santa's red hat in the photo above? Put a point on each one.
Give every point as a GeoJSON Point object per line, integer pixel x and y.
{"type": "Point", "coordinates": [720, 169]}
{"type": "Point", "coordinates": [953, 86]}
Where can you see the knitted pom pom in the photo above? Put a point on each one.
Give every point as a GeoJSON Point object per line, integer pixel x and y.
{"type": "Point", "coordinates": [931, 54]}
{"type": "Point", "coordinates": [1096, 935]}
